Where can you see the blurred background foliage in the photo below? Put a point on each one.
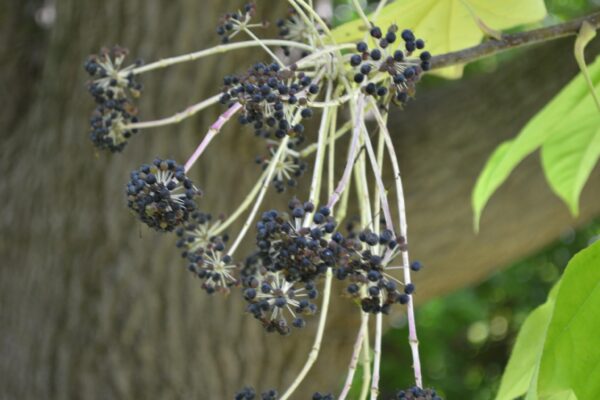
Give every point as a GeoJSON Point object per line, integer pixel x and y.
{"type": "Point", "coordinates": [466, 337]}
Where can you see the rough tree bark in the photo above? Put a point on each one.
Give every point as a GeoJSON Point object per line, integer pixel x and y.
{"type": "Point", "coordinates": [92, 306]}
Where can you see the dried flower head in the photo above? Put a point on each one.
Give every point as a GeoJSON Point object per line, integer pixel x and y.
{"type": "Point", "coordinates": [294, 28]}
{"type": "Point", "coordinates": [214, 266]}
{"type": "Point", "coordinates": [110, 80]}
{"type": "Point", "coordinates": [273, 299]}
{"type": "Point", "coordinates": [233, 23]}
{"type": "Point", "coordinates": [198, 232]}
{"type": "Point", "coordinates": [289, 168]}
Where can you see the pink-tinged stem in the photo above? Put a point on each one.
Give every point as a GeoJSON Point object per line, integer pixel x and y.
{"type": "Point", "coordinates": [412, 328]}
{"type": "Point", "coordinates": [335, 196]}
{"type": "Point", "coordinates": [212, 132]}
{"type": "Point", "coordinates": [364, 319]}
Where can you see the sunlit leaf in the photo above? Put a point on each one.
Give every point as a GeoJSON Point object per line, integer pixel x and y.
{"type": "Point", "coordinates": [449, 25]}
{"type": "Point", "coordinates": [556, 355]}
{"type": "Point", "coordinates": [554, 122]}
{"type": "Point", "coordinates": [570, 156]}
{"type": "Point", "coordinates": [527, 351]}
{"type": "Point", "coordinates": [566, 395]}
{"type": "Point", "coordinates": [571, 356]}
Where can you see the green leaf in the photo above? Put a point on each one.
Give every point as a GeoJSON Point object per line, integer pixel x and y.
{"type": "Point", "coordinates": [570, 156]}
{"type": "Point", "coordinates": [448, 25]}
{"type": "Point", "coordinates": [566, 395]}
{"type": "Point", "coordinates": [571, 356]}
{"type": "Point", "coordinates": [554, 122]}
{"type": "Point", "coordinates": [527, 351]}
{"type": "Point", "coordinates": [556, 355]}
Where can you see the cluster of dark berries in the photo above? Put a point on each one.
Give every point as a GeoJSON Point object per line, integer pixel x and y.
{"type": "Point", "coordinates": [109, 124]}
{"type": "Point", "coordinates": [402, 73]}
{"type": "Point", "coordinates": [300, 252]}
{"type": "Point", "coordinates": [231, 24]}
{"type": "Point", "coordinates": [362, 260]}
{"type": "Point", "coordinates": [248, 393]}
{"type": "Point", "coordinates": [282, 275]}
{"type": "Point", "coordinates": [288, 169]}
{"type": "Point", "coordinates": [161, 194]}
{"type": "Point", "coordinates": [112, 87]}
{"type": "Point", "coordinates": [271, 97]}
{"type": "Point", "coordinates": [416, 393]}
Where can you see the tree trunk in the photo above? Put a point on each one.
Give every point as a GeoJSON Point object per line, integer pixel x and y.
{"type": "Point", "coordinates": [93, 306]}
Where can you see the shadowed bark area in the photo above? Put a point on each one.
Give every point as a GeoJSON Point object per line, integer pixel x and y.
{"type": "Point", "coordinates": [93, 306]}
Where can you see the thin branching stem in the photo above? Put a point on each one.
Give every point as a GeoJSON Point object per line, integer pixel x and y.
{"type": "Point", "coordinates": [314, 352]}
{"type": "Point", "coordinates": [379, 181]}
{"type": "Point", "coordinates": [366, 364]}
{"type": "Point", "coordinates": [177, 118]}
{"type": "Point", "coordinates": [308, 150]}
{"type": "Point", "coordinates": [412, 328]}
{"type": "Point", "coordinates": [212, 132]}
{"type": "Point", "coordinates": [377, 356]}
{"type": "Point", "coordinates": [264, 46]}
{"type": "Point", "coordinates": [315, 185]}
{"type": "Point", "coordinates": [361, 14]}
{"type": "Point", "coordinates": [263, 190]}
{"type": "Point", "coordinates": [358, 344]}
{"type": "Point", "coordinates": [244, 205]}
{"type": "Point", "coordinates": [220, 49]}
{"type": "Point", "coordinates": [335, 196]}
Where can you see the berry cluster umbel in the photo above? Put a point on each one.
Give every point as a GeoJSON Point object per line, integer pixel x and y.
{"type": "Point", "coordinates": [162, 195]}
{"type": "Point", "coordinates": [299, 252]}
{"type": "Point", "coordinates": [271, 97]}
{"type": "Point", "coordinates": [290, 259]}
{"type": "Point", "coordinates": [113, 88]}
{"type": "Point", "coordinates": [362, 259]}
{"type": "Point", "coordinates": [402, 73]}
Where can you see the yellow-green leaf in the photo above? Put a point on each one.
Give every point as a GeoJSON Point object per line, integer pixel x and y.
{"type": "Point", "coordinates": [566, 395]}
{"type": "Point", "coordinates": [527, 351]}
{"type": "Point", "coordinates": [448, 25]}
{"type": "Point", "coordinates": [571, 356]}
{"type": "Point", "coordinates": [570, 156]}
{"type": "Point", "coordinates": [551, 125]}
